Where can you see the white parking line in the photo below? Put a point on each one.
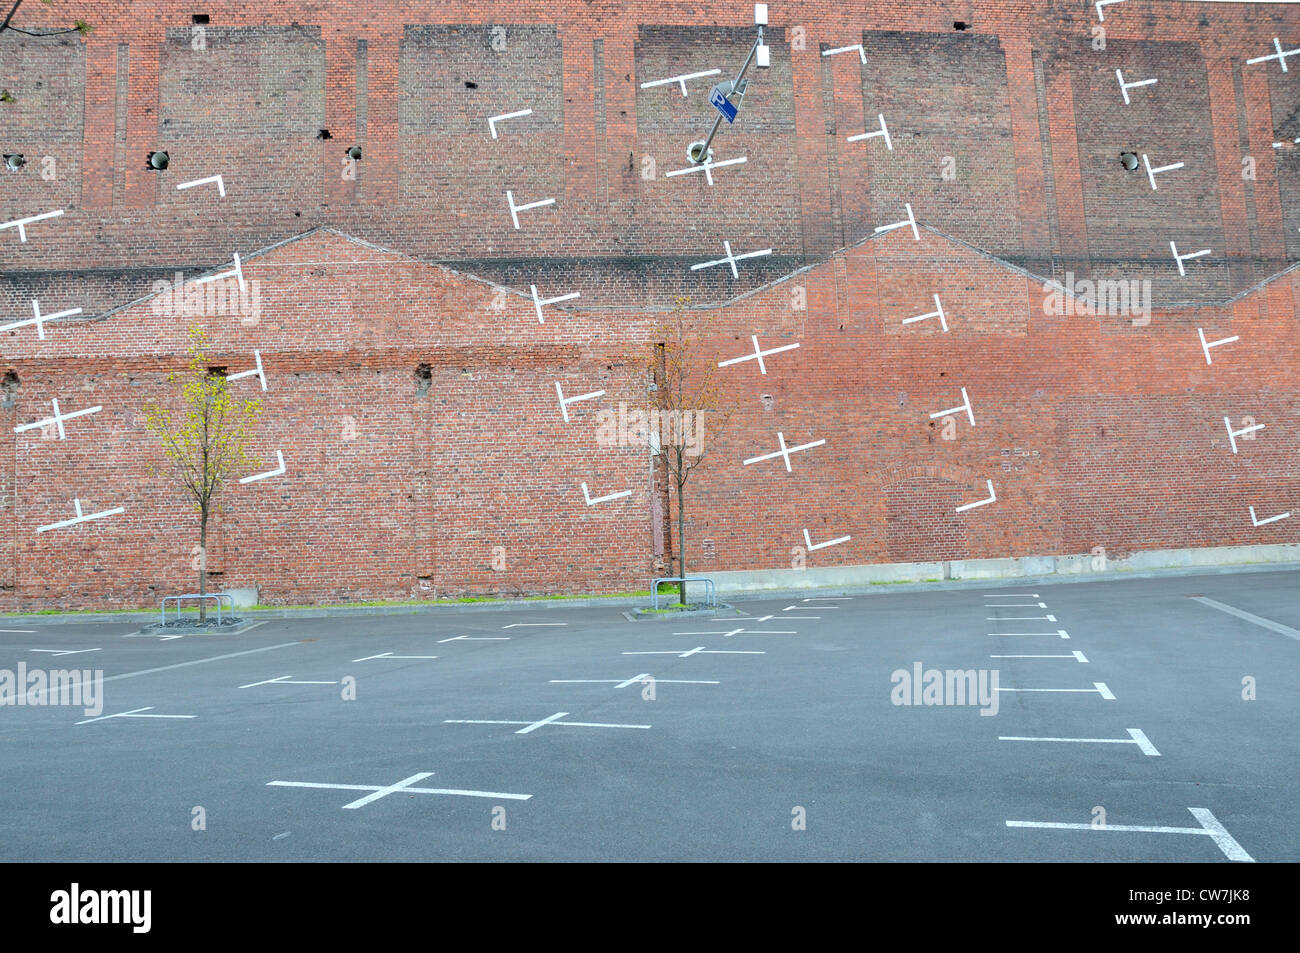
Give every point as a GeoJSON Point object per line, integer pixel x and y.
{"type": "Point", "coordinates": [167, 668]}
{"type": "Point", "coordinates": [1269, 624]}
{"type": "Point", "coordinates": [1076, 655]}
{"type": "Point", "coordinates": [392, 656]}
{"type": "Point", "coordinates": [531, 726]}
{"type": "Point", "coordinates": [1136, 737]}
{"type": "Point", "coordinates": [478, 638]}
{"type": "Point", "coordinates": [133, 713]}
{"type": "Point", "coordinates": [698, 650]}
{"type": "Point", "coordinates": [643, 678]}
{"type": "Point", "coordinates": [1015, 605]}
{"type": "Point", "coordinates": [401, 787]}
{"type": "Point", "coordinates": [1210, 827]}
{"type": "Point", "coordinates": [1019, 618]}
{"type": "Point", "coordinates": [284, 680]}
{"type": "Point", "coordinates": [520, 625]}
{"type": "Point", "coordinates": [1059, 632]}
{"type": "Point", "coordinates": [1098, 689]}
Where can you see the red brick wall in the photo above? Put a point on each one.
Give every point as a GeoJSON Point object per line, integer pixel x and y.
{"type": "Point", "coordinates": [1095, 432]}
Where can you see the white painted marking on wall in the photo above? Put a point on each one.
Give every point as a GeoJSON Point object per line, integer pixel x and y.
{"type": "Point", "coordinates": [80, 517]}
{"type": "Point", "coordinates": [1104, 3]}
{"type": "Point", "coordinates": [39, 320]}
{"type": "Point", "coordinates": [516, 209]}
{"type": "Point", "coordinates": [784, 452]}
{"type": "Point", "coordinates": [680, 80]}
{"type": "Point", "coordinates": [221, 185]}
{"type": "Point", "coordinates": [57, 419]}
{"type": "Point", "coordinates": [22, 223]}
{"type": "Point", "coordinates": [1280, 55]}
{"type": "Point", "coordinates": [848, 49]}
{"type": "Point", "coordinates": [1234, 434]}
{"type": "Point", "coordinates": [964, 405]}
{"type": "Point", "coordinates": [882, 131]}
{"type": "Point", "coordinates": [603, 499]}
{"type": "Point", "coordinates": [731, 259]}
{"type": "Point", "coordinates": [1179, 259]}
{"type": "Point", "coordinates": [1152, 173]}
{"type": "Point", "coordinates": [1125, 87]}
{"type": "Point", "coordinates": [707, 167]}
{"type": "Point", "coordinates": [1205, 346]}
{"type": "Point", "coordinates": [538, 302]}
{"type": "Point", "coordinates": [236, 272]}
{"type": "Point", "coordinates": [493, 120]}
{"type": "Point", "coordinates": [1272, 519]}
{"type": "Point", "coordinates": [992, 498]}
{"type": "Point", "coordinates": [758, 355]}
{"type": "Point", "coordinates": [255, 372]}
{"type": "Point", "coordinates": [813, 547]}
{"type": "Point", "coordinates": [936, 313]}
{"type": "Point", "coordinates": [566, 401]}
{"type": "Point", "coordinates": [910, 220]}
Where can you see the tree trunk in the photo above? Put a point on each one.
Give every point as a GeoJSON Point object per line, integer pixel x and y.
{"type": "Point", "coordinates": [203, 564]}
{"type": "Point", "coordinates": [681, 543]}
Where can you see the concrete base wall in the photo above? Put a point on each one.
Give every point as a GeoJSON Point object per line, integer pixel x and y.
{"type": "Point", "coordinates": [1014, 568]}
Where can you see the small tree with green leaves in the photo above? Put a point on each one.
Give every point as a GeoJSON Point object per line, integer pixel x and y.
{"type": "Point", "coordinates": [204, 440]}
{"type": "Point", "coordinates": [687, 407]}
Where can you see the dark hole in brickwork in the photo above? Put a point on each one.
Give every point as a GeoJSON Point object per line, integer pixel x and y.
{"type": "Point", "coordinates": [324, 134]}
{"type": "Point", "coordinates": [470, 84]}
{"type": "Point", "coordinates": [423, 378]}
{"type": "Point", "coordinates": [215, 371]}
{"type": "Point", "coordinates": [8, 390]}
{"type": "Point", "coordinates": [199, 18]}
{"type": "Point", "coordinates": [960, 25]}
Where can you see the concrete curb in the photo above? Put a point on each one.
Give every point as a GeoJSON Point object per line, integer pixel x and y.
{"type": "Point", "coordinates": [749, 593]}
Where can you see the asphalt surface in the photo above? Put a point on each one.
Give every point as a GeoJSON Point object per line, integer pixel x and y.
{"type": "Point", "coordinates": [808, 729]}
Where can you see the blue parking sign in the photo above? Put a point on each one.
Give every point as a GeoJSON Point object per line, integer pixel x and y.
{"type": "Point", "coordinates": [722, 104]}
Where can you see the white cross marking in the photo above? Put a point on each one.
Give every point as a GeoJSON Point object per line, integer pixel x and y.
{"type": "Point", "coordinates": [133, 713]}
{"type": "Point", "coordinates": [63, 651]}
{"type": "Point", "coordinates": [758, 355]}
{"type": "Point", "coordinates": [707, 167]}
{"type": "Point", "coordinates": [1151, 173]}
{"type": "Point", "coordinates": [530, 726]}
{"type": "Point", "coordinates": [58, 419]}
{"type": "Point", "coordinates": [39, 320]}
{"type": "Point", "coordinates": [813, 547]}
{"type": "Point", "coordinates": [603, 499]}
{"type": "Point", "coordinates": [1280, 55]}
{"type": "Point", "coordinates": [381, 790]}
{"type": "Point", "coordinates": [731, 259]}
{"type": "Point", "coordinates": [784, 451]}
{"type": "Point", "coordinates": [80, 518]}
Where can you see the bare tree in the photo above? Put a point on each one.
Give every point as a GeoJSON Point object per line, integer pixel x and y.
{"type": "Point", "coordinates": [205, 441]}
{"type": "Point", "coordinates": [687, 408]}
{"type": "Point", "coordinates": [81, 26]}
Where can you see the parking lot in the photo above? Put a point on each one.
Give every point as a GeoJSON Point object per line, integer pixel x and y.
{"type": "Point", "coordinates": [1135, 720]}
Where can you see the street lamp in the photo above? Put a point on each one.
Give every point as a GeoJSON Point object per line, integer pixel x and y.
{"type": "Point", "coordinates": [720, 96]}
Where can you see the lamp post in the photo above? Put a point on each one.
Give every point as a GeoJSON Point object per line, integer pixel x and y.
{"type": "Point", "coordinates": [720, 97]}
